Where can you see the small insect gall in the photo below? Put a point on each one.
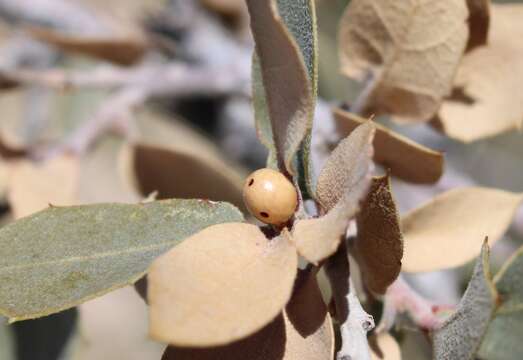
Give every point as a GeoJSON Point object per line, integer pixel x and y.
{"type": "Point", "coordinates": [270, 196]}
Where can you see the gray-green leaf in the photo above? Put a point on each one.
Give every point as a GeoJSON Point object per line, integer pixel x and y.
{"type": "Point", "coordinates": [503, 338]}
{"type": "Point", "coordinates": [63, 256]}
{"type": "Point", "coordinates": [288, 74]}
{"type": "Point", "coordinates": [461, 335]}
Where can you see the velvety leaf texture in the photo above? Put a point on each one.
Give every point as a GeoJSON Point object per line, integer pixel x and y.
{"type": "Point", "coordinates": [461, 335]}
{"type": "Point", "coordinates": [447, 231]}
{"type": "Point", "coordinates": [342, 184]}
{"type": "Point", "coordinates": [288, 91]}
{"type": "Point", "coordinates": [63, 256]}
{"type": "Point", "coordinates": [410, 49]}
{"type": "Point", "coordinates": [503, 338]}
{"type": "Point", "coordinates": [488, 93]}
{"type": "Point", "coordinates": [221, 285]}
{"type": "Point", "coordinates": [303, 331]}
{"type": "Point", "coordinates": [379, 245]}
{"type": "Point", "coordinates": [403, 157]}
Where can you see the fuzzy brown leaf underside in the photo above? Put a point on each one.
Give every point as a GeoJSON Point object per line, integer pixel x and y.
{"type": "Point", "coordinates": [455, 223]}
{"type": "Point", "coordinates": [378, 246]}
{"type": "Point", "coordinates": [220, 285]}
{"type": "Point", "coordinates": [342, 184]}
{"type": "Point", "coordinates": [302, 331]}
{"type": "Point", "coordinates": [403, 157]}
{"type": "Point", "coordinates": [408, 51]}
{"type": "Point", "coordinates": [487, 98]}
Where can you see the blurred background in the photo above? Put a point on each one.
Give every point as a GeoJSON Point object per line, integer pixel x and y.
{"type": "Point", "coordinates": [105, 101]}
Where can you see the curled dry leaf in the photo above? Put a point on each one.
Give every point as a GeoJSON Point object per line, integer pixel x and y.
{"type": "Point", "coordinates": [342, 183]}
{"type": "Point", "coordinates": [388, 348]}
{"type": "Point", "coordinates": [479, 21]}
{"type": "Point", "coordinates": [124, 51]}
{"type": "Point", "coordinates": [410, 50]}
{"type": "Point", "coordinates": [488, 90]}
{"type": "Point", "coordinates": [447, 231]}
{"type": "Point", "coordinates": [67, 255]}
{"type": "Point", "coordinates": [288, 91]}
{"type": "Point", "coordinates": [173, 159]}
{"type": "Point", "coordinates": [109, 30]}
{"type": "Point", "coordinates": [504, 332]}
{"type": "Point", "coordinates": [36, 186]}
{"type": "Point", "coordinates": [404, 158]}
{"type": "Point", "coordinates": [378, 248]}
{"type": "Point", "coordinates": [302, 332]}
{"type": "Point", "coordinates": [221, 285]}
{"type": "Point", "coordinates": [461, 335]}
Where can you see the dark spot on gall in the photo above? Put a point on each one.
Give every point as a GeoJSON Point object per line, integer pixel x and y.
{"type": "Point", "coordinates": [251, 182]}
{"type": "Point", "coordinates": [264, 214]}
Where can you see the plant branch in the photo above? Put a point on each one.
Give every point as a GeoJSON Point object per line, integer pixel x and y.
{"type": "Point", "coordinates": [401, 298]}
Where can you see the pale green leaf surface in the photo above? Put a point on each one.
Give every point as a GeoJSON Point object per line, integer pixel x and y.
{"type": "Point", "coordinates": [63, 256]}
{"type": "Point", "coordinates": [261, 113]}
{"type": "Point", "coordinates": [503, 338]}
{"type": "Point", "coordinates": [461, 335]}
{"type": "Point", "coordinates": [300, 18]}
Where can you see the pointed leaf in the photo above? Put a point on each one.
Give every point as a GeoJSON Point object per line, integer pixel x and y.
{"type": "Point", "coordinates": [444, 232]}
{"type": "Point", "coordinates": [288, 91]}
{"type": "Point", "coordinates": [222, 284]}
{"type": "Point", "coordinates": [488, 99]}
{"type": "Point", "coordinates": [503, 338]}
{"type": "Point", "coordinates": [479, 21]}
{"type": "Point", "coordinates": [348, 164]}
{"type": "Point", "coordinates": [36, 186]}
{"type": "Point", "coordinates": [342, 183]}
{"type": "Point", "coordinates": [461, 335]}
{"type": "Point", "coordinates": [411, 49]}
{"type": "Point", "coordinates": [378, 248]}
{"type": "Point", "coordinates": [63, 256]}
{"type": "Point", "coordinates": [404, 158]}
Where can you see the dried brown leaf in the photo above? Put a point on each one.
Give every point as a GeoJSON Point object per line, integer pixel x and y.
{"type": "Point", "coordinates": [180, 175]}
{"type": "Point", "coordinates": [220, 285]}
{"type": "Point", "coordinates": [378, 247]}
{"type": "Point", "coordinates": [479, 22]}
{"type": "Point", "coordinates": [285, 78]}
{"type": "Point", "coordinates": [303, 331]}
{"type": "Point", "coordinates": [173, 159]}
{"type": "Point", "coordinates": [448, 230]}
{"type": "Point", "coordinates": [411, 50]}
{"type": "Point", "coordinates": [120, 50]}
{"type": "Point", "coordinates": [36, 186]}
{"type": "Point", "coordinates": [348, 164]}
{"type": "Point", "coordinates": [488, 90]}
{"type": "Point", "coordinates": [461, 335]}
{"type": "Point", "coordinates": [342, 183]}
{"type": "Point", "coordinates": [388, 347]}
{"type": "Point", "coordinates": [404, 158]}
